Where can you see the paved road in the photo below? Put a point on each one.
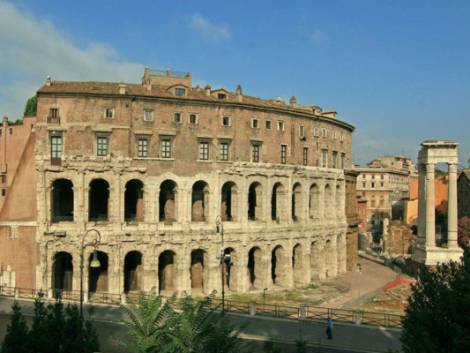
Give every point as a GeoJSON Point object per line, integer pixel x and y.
{"type": "Point", "coordinates": [347, 337]}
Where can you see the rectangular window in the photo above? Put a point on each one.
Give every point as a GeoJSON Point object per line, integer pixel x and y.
{"type": "Point", "coordinates": [283, 154]}
{"type": "Point", "coordinates": [177, 118]}
{"type": "Point", "coordinates": [372, 185]}
{"type": "Point", "coordinates": [364, 185]}
{"type": "Point", "coordinates": [305, 155]}
{"type": "Point", "coordinates": [102, 145]}
{"type": "Point", "coordinates": [109, 113]}
{"type": "Point", "coordinates": [302, 131]}
{"type": "Point", "coordinates": [268, 124]}
{"type": "Point", "coordinates": [316, 132]}
{"type": "Point", "coordinates": [142, 147]}
{"type": "Point", "coordinates": [148, 114]}
{"type": "Point", "coordinates": [324, 132]}
{"type": "Point", "coordinates": [254, 123]}
{"type": "Point", "coordinates": [204, 150]}
{"type": "Point", "coordinates": [341, 137]}
{"type": "Point", "coordinates": [54, 113]}
{"type": "Point", "coordinates": [226, 121]}
{"type": "Point", "coordinates": [56, 146]}
{"type": "Point", "coordinates": [165, 148]}
{"type": "Point", "coordinates": [224, 150]}
{"type": "Point", "coordinates": [180, 92]}
{"type": "Point", "coordinates": [335, 159]}
{"type": "Point", "coordinates": [324, 158]}
{"type": "Point", "coordinates": [193, 120]}
{"type": "Point", "coordinates": [255, 149]}
{"type": "Point", "coordinates": [280, 125]}
{"type": "Point", "coordinates": [342, 161]}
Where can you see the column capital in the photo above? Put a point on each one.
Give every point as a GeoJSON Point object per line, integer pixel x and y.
{"type": "Point", "coordinates": [453, 167]}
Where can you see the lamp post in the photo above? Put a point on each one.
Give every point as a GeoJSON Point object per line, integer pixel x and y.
{"type": "Point", "coordinates": [95, 263]}
{"type": "Point", "coordinates": [224, 258]}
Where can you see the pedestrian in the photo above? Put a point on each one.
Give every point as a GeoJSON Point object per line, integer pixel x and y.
{"type": "Point", "coordinates": [329, 328]}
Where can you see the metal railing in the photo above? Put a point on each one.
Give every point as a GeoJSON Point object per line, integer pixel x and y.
{"type": "Point", "coordinates": [301, 313]}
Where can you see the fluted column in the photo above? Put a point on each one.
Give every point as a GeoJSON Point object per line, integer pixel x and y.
{"type": "Point", "coordinates": [452, 208]}
{"type": "Point", "coordinates": [430, 206]}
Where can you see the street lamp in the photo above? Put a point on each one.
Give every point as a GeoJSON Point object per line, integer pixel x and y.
{"type": "Point", "coordinates": [95, 263]}
{"type": "Point", "coordinates": [224, 258]}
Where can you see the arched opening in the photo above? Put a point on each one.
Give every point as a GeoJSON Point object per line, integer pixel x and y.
{"type": "Point", "coordinates": [200, 202]}
{"type": "Point", "coordinates": [228, 206]}
{"type": "Point", "coordinates": [166, 271]}
{"type": "Point", "coordinates": [330, 260]}
{"type": "Point", "coordinates": [98, 198]}
{"type": "Point", "coordinates": [98, 276]}
{"type": "Point", "coordinates": [338, 202]}
{"type": "Point", "coordinates": [254, 267]}
{"type": "Point", "coordinates": [276, 202]}
{"type": "Point", "coordinates": [134, 201]}
{"type": "Point", "coordinates": [316, 262]}
{"type": "Point", "coordinates": [62, 201]}
{"type": "Point", "coordinates": [297, 202]}
{"type": "Point", "coordinates": [255, 203]}
{"type": "Point", "coordinates": [314, 206]}
{"type": "Point", "coordinates": [62, 271]}
{"type": "Point", "coordinates": [167, 201]}
{"type": "Point", "coordinates": [133, 270]}
{"type": "Point", "coordinates": [197, 270]}
{"type": "Point", "coordinates": [278, 266]}
{"type": "Point", "coordinates": [328, 201]}
{"type": "Point", "coordinates": [229, 261]}
{"type": "Point", "coordinates": [297, 265]}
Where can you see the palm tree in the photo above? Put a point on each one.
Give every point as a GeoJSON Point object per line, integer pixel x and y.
{"type": "Point", "coordinates": [148, 323]}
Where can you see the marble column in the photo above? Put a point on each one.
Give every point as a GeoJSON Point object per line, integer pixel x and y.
{"type": "Point", "coordinates": [452, 208]}
{"type": "Point", "coordinates": [430, 207]}
{"type": "Point", "coordinates": [421, 204]}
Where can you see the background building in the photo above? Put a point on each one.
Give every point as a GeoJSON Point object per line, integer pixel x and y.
{"type": "Point", "coordinates": [161, 169]}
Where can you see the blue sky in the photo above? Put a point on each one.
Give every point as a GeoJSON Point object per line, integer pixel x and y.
{"type": "Point", "coordinates": [397, 70]}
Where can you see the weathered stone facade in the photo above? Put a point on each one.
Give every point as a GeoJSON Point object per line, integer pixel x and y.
{"type": "Point", "coordinates": [155, 167]}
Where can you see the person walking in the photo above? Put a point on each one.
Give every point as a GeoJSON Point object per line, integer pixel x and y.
{"type": "Point", "coordinates": [329, 328]}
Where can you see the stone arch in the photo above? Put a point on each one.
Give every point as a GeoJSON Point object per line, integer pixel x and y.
{"type": "Point", "coordinates": [277, 201]}
{"type": "Point", "coordinates": [98, 200]}
{"type": "Point", "coordinates": [167, 201]}
{"type": "Point", "coordinates": [296, 206]}
{"type": "Point", "coordinates": [200, 202]}
{"type": "Point", "coordinates": [255, 201]}
{"type": "Point", "coordinates": [98, 277]}
{"type": "Point", "coordinates": [279, 264]}
{"type": "Point", "coordinates": [328, 201]}
{"type": "Point", "coordinates": [167, 271]}
{"type": "Point", "coordinates": [62, 201]}
{"type": "Point", "coordinates": [255, 270]}
{"type": "Point", "coordinates": [314, 205]}
{"type": "Point", "coordinates": [198, 270]}
{"type": "Point", "coordinates": [298, 264]}
{"type": "Point", "coordinates": [133, 271]}
{"type": "Point", "coordinates": [134, 201]}
{"type": "Point", "coordinates": [229, 268]}
{"type": "Point", "coordinates": [229, 202]}
{"type": "Point", "coordinates": [62, 271]}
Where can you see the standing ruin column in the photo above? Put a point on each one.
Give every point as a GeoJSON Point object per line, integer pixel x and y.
{"type": "Point", "coordinates": [452, 208]}
{"type": "Point", "coordinates": [430, 206]}
{"type": "Point", "coordinates": [421, 204]}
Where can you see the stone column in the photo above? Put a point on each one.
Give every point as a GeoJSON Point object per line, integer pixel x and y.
{"type": "Point", "coordinates": [430, 207]}
{"type": "Point", "coordinates": [452, 208]}
{"type": "Point", "coordinates": [421, 205]}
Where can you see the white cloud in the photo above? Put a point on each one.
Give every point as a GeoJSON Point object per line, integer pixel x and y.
{"type": "Point", "coordinates": [318, 36]}
{"type": "Point", "coordinates": [32, 49]}
{"type": "Point", "coordinates": [207, 29]}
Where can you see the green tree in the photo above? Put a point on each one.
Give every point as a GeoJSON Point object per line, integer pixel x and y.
{"type": "Point", "coordinates": [17, 332]}
{"type": "Point", "coordinates": [31, 106]}
{"type": "Point", "coordinates": [438, 315]}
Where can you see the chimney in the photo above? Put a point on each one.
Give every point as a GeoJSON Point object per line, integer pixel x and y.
{"type": "Point", "coordinates": [239, 93]}
{"type": "Point", "coordinates": [122, 88]}
{"type": "Point", "coordinates": [207, 89]}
